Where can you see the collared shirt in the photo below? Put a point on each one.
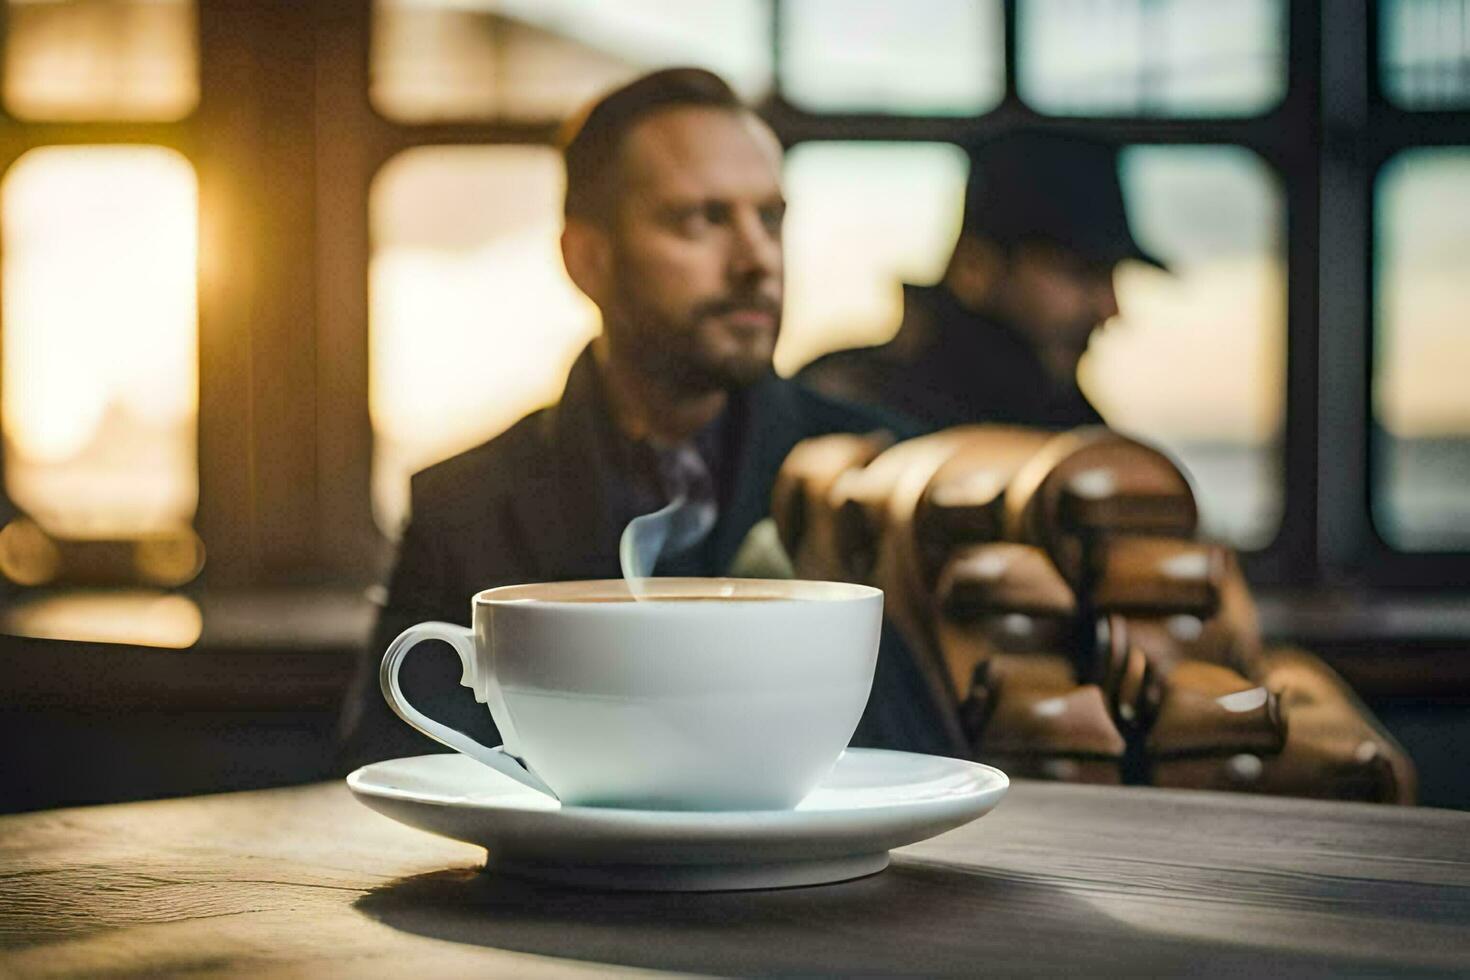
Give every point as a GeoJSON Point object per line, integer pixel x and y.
{"type": "Point", "coordinates": [642, 478]}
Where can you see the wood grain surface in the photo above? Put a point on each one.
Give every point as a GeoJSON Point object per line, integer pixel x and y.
{"type": "Point", "coordinates": [1059, 880]}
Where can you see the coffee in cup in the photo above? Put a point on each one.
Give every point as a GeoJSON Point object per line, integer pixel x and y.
{"type": "Point", "coordinates": [692, 694]}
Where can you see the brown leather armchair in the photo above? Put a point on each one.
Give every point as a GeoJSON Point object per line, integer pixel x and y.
{"type": "Point", "coordinates": [1057, 593]}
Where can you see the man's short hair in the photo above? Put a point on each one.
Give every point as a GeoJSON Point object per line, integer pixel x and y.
{"type": "Point", "coordinates": [591, 141]}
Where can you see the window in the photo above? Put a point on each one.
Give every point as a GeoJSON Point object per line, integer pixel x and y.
{"type": "Point", "coordinates": [1424, 59]}
{"type": "Point", "coordinates": [474, 322]}
{"type": "Point", "coordinates": [100, 385]}
{"type": "Point", "coordinates": [1421, 402]}
{"type": "Point", "coordinates": [540, 60]}
{"type": "Point", "coordinates": [1196, 359]}
{"type": "Point", "coordinates": [863, 218]}
{"type": "Point", "coordinates": [100, 59]}
{"type": "Point", "coordinates": [460, 254]}
{"type": "Point", "coordinates": [1151, 57]}
{"type": "Point", "coordinates": [921, 57]}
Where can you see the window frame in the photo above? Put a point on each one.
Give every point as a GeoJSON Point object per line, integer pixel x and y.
{"type": "Point", "coordinates": [285, 438]}
{"type": "Point", "coordinates": [1382, 130]}
{"type": "Point", "coordinates": [1282, 136]}
{"type": "Point", "coordinates": [19, 135]}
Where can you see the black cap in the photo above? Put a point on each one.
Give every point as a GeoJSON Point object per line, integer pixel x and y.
{"type": "Point", "coordinates": [1057, 188]}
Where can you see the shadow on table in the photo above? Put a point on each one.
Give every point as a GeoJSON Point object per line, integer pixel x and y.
{"type": "Point", "coordinates": [911, 919]}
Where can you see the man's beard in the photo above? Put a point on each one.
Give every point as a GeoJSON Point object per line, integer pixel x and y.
{"type": "Point", "coordinates": [674, 353]}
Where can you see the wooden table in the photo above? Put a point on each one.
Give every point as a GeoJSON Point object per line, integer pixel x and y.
{"type": "Point", "coordinates": [1059, 880]}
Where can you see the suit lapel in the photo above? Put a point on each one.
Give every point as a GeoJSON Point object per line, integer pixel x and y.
{"type": "Point", "coordinates": [561, 506]}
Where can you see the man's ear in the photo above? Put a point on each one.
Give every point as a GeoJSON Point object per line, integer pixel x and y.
{"type": "Point", "coordinates": [974, 269]}
{"type": "Point", "coordinates": [587, 251]}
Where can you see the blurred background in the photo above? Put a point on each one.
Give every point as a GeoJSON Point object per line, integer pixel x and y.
{"type": "Point", "coordinates": [261, 261]}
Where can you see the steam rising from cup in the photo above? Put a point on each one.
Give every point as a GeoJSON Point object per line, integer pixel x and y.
{"type": "Point", "coordinates": [643, 542]}
{"type": "Point", "coordinates": [677, 526]}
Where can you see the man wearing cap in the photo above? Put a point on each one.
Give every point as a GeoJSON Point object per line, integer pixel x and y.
{"type": "Point", "coordinates": [999, 338]}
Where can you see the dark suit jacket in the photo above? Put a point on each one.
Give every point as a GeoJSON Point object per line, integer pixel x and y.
{"type": "Point", "coordinates": [948, 366]}
{"type": "Point", "coordinates": [540, 503]}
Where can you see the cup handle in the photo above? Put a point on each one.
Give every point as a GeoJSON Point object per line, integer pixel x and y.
{"type": "Point", "coordinates": [463, 642]}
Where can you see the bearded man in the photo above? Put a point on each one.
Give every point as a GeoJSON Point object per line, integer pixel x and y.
{"type": "Point", "coordinates": [672, 228]}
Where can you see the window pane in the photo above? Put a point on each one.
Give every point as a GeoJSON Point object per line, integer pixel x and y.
{"type": "Point", "coordinates": [863, 218]}
{"type": "Point", "coordinates": [1424, 53]}
{"type": "Point", "coordinates": [101, 59]}
{"type": "Point", "coordinates": [1421, 401]}
{"type": "Point", "coordinates": [922, 57]}
{"type": "Point", "coordinates": [474, 322]}
{"type": "Point", "coordinates": [543, 59]}
{"type": "Point", "coordinates": [100, 396]}
{"type": "Point", "coordinates": [1196, 360]}
{"type": "Point", "coordinates": [1151, 57]}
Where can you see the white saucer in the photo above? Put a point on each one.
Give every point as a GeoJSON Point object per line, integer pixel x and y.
{"type": "Point", "coordinates": [872, 800]}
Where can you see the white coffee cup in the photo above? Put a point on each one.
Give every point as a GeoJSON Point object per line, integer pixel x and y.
{"type": "Point", "coordinates": [657, 701]}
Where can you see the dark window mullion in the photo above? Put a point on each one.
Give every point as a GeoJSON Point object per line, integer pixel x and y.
{"type": "Point", "coordinates": [1009, 52]}
{"type": "Point", "coordinates": [1344, 271]}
